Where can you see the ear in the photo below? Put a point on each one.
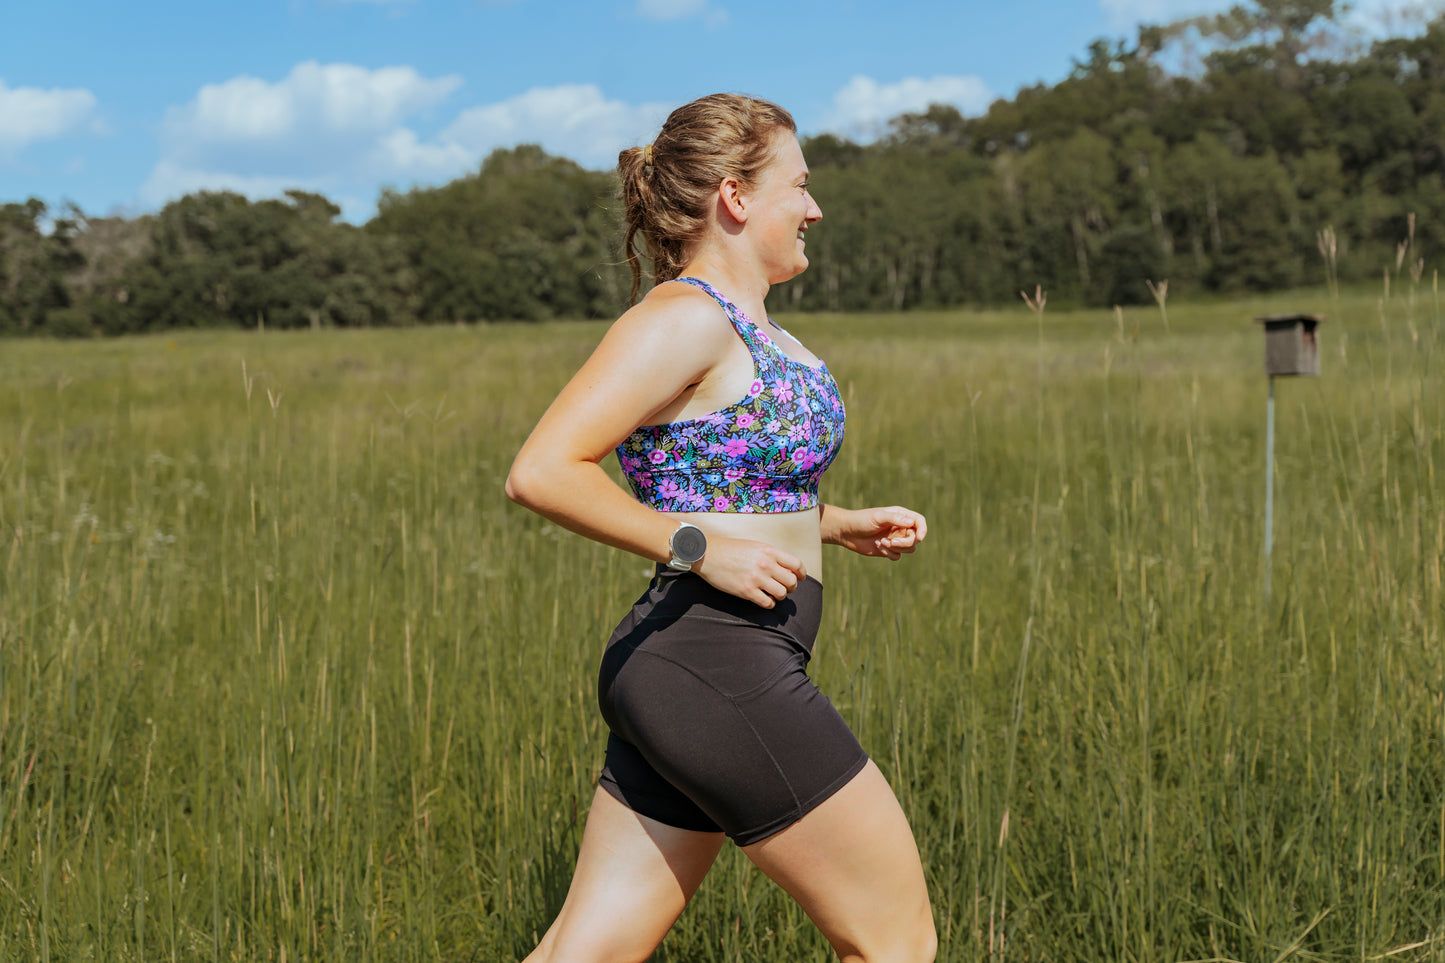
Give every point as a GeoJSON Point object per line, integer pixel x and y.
{"type": "Point", "coordinates": [730, 197]}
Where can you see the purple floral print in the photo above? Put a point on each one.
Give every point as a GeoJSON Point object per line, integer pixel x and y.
{"type": "Point", "coordinates": [764, 453]}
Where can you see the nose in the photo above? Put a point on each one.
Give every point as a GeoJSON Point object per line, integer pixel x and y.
{"type": "Point", "coordinates": [815, 213]}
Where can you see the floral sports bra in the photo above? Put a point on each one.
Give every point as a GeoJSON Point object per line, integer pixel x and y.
{"type": "Point", "coordinates": [762, 454]}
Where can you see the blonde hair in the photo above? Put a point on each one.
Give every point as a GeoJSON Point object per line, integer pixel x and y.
{"type": "Point", "coordinates": [668, 185]}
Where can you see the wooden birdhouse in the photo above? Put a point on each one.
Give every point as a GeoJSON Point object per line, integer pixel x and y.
{"type": "Point", "coordinates": [1291, 344]}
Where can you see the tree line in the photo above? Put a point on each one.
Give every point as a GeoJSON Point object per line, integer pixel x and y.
{"type": "Point", "coordinates": [1279, 157]}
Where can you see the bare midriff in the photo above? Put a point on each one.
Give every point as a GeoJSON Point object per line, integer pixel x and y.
{"type": "Point", "coordinates": [796, 533]}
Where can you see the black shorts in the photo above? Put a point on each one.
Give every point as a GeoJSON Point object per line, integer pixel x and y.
{"type": "Point", "coordinates": [716, 726]}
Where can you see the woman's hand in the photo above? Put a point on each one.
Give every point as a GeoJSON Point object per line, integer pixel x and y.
{"type": "Point", "coordinates": [887, 533]}
{"type": "Point", "coordinates": [749, 569]}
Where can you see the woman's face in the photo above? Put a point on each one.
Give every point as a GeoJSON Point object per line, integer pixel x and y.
{"type": "Point", "coordinates": [781, 209]}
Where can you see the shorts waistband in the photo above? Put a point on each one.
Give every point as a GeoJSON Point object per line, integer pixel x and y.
{"type": "Point", "coordinates": [673, 593]}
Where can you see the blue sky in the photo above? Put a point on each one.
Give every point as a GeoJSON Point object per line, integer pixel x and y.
{"type": "Point", "coordinates": [122, 107]}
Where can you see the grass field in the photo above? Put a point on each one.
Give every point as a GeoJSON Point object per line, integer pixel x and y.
{"type": "Point", "coordinates": [284, 677]}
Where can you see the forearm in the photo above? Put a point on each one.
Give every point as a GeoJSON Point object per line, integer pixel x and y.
{"type": "Point", "coordinates": [582, 498]}
{"type": "Point", "coordinates": [579, 496]}
{"type": "Point", "coordinates": [832, 523]}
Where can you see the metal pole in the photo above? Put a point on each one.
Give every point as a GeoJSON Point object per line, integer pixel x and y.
{"type": "Point", "coordinates": [1269, 488]}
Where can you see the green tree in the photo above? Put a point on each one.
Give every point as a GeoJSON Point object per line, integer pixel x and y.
{"type": "Point", "coordinates": [1278, 33]}
{"type": "Point", "coordinates": [1129, 257]}
{"type": "Point", "coordinates": [34, 263]}
{"type": "Point", "coordinates": [1070, 201]}
{"type": "Point", "coordinates": [218, 259]}
{"type": "Point", "coordinates": [527, 237]}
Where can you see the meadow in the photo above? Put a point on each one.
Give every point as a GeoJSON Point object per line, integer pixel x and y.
{"type": "Point", "coordinates": [283, 676]}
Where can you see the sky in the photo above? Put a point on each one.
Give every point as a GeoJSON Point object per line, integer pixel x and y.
{"type": "Point", "coordinates": [121, 107]}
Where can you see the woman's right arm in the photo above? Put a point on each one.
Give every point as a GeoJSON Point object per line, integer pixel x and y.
{"type": "Point", "coordinates": [661, 348]}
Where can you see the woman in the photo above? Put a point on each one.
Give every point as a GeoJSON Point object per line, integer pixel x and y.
{"type": "Point", "coordinates": [715, 728]}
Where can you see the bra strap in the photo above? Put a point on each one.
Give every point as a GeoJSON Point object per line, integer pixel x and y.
{"type": "Point", "coordinates": [730, 309]}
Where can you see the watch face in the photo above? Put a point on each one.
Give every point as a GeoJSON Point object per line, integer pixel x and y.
{"type": "Point", "coordinates": [689, 543]}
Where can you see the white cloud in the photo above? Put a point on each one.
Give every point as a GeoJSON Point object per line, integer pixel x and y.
{"type": "Point", "coordinates": [320, 126]}
{"type": "Point", "coordinates": [862, 109]}
{"type": "Point", "coordinates": [30, 114]}
{"type": "Point", "coordinates": [341, 130]}
{"type": "Point", "coordinates": [314, 99]}
{"type": "Point", "coordinates": [402, 150]}
{"type": "Point", "coordinates": [573, 120]}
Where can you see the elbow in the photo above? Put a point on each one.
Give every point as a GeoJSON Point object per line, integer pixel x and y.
{"type": "Point", "coordinates": [544, 483]}
{"type": "Point", "coordinates": [535, 483]}
{"type": "Point", "coordinates": [521, 484]}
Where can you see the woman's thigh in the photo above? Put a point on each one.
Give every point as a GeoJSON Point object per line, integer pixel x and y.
{"type": "Point", "coordinates": [853, 866]}
{"type": "Point", "coordinates": [634, 877]}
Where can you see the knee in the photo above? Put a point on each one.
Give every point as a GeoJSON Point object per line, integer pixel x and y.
{"type": "Point", "coordinates": [919, 945]}
{"type": "Point", "coordinates": [927, 947]}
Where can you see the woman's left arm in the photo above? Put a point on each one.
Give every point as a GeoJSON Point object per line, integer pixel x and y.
{"type": "Point", "coordinates": [887, 533]}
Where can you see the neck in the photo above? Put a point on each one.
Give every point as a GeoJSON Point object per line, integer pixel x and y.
{"type": "Point", "coordinates": [741, 286]}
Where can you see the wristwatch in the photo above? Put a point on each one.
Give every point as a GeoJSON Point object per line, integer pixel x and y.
{"type": "Point", "coordinates": [688, 545]}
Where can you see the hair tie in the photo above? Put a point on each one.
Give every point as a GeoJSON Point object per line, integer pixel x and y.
{"type": "Point", "coordinates": [647, 155]}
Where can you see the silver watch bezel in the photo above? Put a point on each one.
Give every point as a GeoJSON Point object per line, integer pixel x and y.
{"type": "Point", "coordinates": [677, 562]}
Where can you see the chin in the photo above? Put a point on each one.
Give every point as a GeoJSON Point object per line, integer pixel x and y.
{"type": "Point", "coordinates": [791, 272]}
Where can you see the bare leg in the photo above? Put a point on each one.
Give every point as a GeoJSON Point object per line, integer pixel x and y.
{"type": "Point", "coordinates": [853, 866]}
{"type": "Point", "coordinates": [634, 877]}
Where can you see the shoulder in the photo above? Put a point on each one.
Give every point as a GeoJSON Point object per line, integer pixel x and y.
{"type": "Point", "coordinates": [673, 338]}
{"type": "Point", "coordinates": [680, 318]}
{"type": "Point", "coordinates": [681, 307]}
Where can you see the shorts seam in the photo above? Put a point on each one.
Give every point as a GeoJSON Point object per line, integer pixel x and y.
{"type": "Point", "coordinates": [771, 828]}
{"type": "Point", "coordinates": [767, 750]}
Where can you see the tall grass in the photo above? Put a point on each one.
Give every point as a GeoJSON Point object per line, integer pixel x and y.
{"type": "Point", "coordinates": [283, 677]}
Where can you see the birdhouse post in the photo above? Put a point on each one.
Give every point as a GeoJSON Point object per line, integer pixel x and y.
{"type": "Point", "coordinates": [1291, 347]}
